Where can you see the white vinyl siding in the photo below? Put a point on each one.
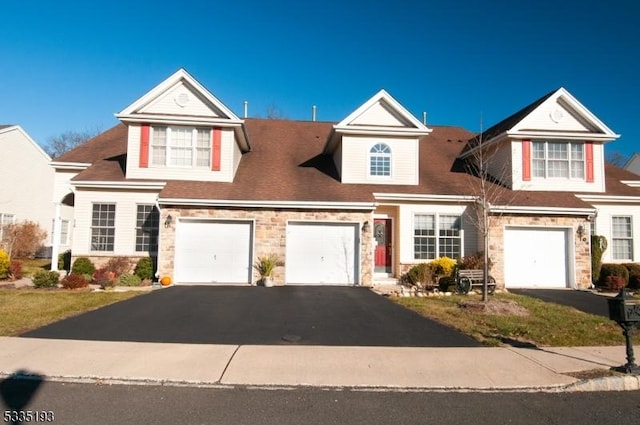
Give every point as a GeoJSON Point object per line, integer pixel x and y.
{"type": "Point", "coordinates": [355, 162]}
{"type": "Point", "coordinates": [180, 100]}
{"type": "Point", "coordinates": [125, 220]}
{"type": "Point", "coordinates": [622, 238]}
{"type": "Point", "coordinates": [230, 156]}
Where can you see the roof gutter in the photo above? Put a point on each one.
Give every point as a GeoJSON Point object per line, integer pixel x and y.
{"type": "Point", "coordinates": [423, 197]}
{"type": "Point", "coordinates": [360, 206]}
{"type": "Point", "coordinates": [508, 209]}
{"type": "Point", "coordinates": [118, 185]}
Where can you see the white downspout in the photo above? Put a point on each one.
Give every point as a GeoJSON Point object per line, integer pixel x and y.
{"type": "Point", "coordinates": [157, 274]}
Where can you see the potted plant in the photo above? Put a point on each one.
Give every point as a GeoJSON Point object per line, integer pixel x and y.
{"type": "Point", "coordinates": [265, 266]}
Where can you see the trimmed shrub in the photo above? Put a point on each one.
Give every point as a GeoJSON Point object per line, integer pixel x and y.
{"type": "Point", "coordinates": [144, 268]}
{"type": "Point", "coordinates": [105, 278]}
{"type": "Point", "coordinates": [611, 269]}
{"type": "Point", "coordinates": [442, 266]}
{"type": "Point", "coordinates": [4, 264]}
{"type": "Point", "coordinates": [45, 279]}
{"type": "Point", "coordinates": [74, 281]}
{"type": "Point", "coordinates": [129, 279]}
{"type": "Point", "coordinates": [419, 274]}
{"type": "Point", "coordinates": [118, 265]}
{"type": "Point", "coordinates": [598, 247]}
{"type": "Point", "coordinates": [15, 270]}
{"type": "Point", "coordinates": [83, 265]}
{"type": "Point", "coordinates": [634, 275]}
{"type": "Point", "coordinates": [64, 260]}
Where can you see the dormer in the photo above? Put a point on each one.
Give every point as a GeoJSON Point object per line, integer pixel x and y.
{"type": "Point", "coordinates": [554, 144]}
{"type": "Point", "coordinates": [377, 143]}
{"type": "Point", "coordinates": [180, 131]}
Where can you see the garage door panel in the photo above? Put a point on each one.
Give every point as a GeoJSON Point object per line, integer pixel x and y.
{"type": "Point", "coordinates": [213, 252]}
{"type": "Point", "coordinates": [536, 257]}
{"type": "Point", "coordinates": [322, 253]}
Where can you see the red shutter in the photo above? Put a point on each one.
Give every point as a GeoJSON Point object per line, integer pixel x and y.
{"type": "Point", "coordinates": [526, 160]}
{"type": "Point", "coordinates": [588, 153]}
{"type": "Point", "coordinates": [144, 146]}
{"type": "Point", "coordinates": [215, 152]}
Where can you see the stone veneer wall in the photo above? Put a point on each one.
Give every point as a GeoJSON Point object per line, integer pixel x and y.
{"type": "Point", "coordinates": [581, 248]}
{"type": "Point", "coordinates": [269, 234]}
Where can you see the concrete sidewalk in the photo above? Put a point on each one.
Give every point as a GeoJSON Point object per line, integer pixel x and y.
{"type": "Point", "coordinates": [415, 368]}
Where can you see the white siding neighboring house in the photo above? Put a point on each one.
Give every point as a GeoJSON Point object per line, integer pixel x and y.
{"type": "Point", "coordinates": [633, 164]}
{"type": "Point", "coordinates": [27, 181]}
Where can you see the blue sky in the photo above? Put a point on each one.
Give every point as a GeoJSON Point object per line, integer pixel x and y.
{"type": "Point", "coordinates": [71, 65]}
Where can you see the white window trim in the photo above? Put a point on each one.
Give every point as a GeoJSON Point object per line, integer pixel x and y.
{"type": "Point", "coordinates": [169, 148]}
{"type": "Point", "coordinates": [388, 155]}
{"type": "Point", "coordinates": [437, 236]}
{"type": "Point", "coordinates": [626, 238]}
{"type": "Point", "coordinates": [569, 160]}
{"type": "Point", "coordinates": [91, 227]}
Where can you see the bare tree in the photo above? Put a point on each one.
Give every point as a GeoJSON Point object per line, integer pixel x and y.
{"type": "Point", "coordinates": [486, 181]}
{"type": "Point", "coordinates": [275, 113]}
{"type": "Point", "coordinates": [68, 140]}
{"type": "Point", "coordinates": [616, 158]}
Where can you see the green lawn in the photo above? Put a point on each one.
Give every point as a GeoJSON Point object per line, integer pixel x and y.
{"type": "Point", "coordinates": [25, 309]}
{"type": "Point", "coordinates": [547, 324]}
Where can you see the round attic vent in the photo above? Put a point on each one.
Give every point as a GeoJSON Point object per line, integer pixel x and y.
{"type": "Point", "coordinates": [556, 115]}
{"type": "Point", "coordinates": [182, 99]}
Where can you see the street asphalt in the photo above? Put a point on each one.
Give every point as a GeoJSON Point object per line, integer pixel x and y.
{"type": "Point", "coordinates": [290, 315]}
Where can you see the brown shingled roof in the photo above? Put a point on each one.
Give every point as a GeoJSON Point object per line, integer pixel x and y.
{"type": "Point", "coordinates": [286, 164]}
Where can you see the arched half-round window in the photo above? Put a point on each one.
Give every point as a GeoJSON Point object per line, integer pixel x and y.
{"type": "Point", "coordinates": [380, 160]}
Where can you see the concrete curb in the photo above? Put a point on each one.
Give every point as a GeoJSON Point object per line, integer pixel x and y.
{"type": "Point", "coordinates": [609, 383]}
{"type": "Point", "coordinates": [606, 384]}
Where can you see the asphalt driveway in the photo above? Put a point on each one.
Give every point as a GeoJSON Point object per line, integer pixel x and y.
{"type": "Point", "coordinates": [335, 316]}
{"type": "Point", "coordinates": [580, 300]}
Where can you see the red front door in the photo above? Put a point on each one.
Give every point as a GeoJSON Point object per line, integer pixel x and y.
{"type": "Point", "coordinates": [382, 235]}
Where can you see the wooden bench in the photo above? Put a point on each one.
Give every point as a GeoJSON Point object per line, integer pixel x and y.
{"type": "Point", "coordinates": [466, 279]}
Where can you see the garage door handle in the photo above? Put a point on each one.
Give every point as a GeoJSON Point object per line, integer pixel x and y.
{"type": "Point", "coordinates": [214, 257]}
{"type": "Point", "coordinates": [321, 258]}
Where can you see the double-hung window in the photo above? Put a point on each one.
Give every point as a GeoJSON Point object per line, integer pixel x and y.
{"type": "Point", "coordinates": [147, 220]}
{"type": "Point", "coordinates": [178, 146]}
{"type": "Point", "coordinates": [64, 231]}
{"type": "Point", "coordinates": [380, 160]}
{"type": "Point", "coordinates": [5, 220]}
{"type": "Point", "coordinates": [621, 238]}
{"type": "Point", "coordinates": [103, 227]}
{"type": "Point", "coordinates": [558, 159]}
{"type": "Point", "coordinates": [436, 236]}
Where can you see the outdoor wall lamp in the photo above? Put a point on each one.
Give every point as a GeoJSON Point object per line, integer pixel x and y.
{"type": "Point", "coordinates": [168, 221]}
{"type": "Point", "coordinates": [580, 231]}
{"type": "Point", "coordinates": [366, 227]}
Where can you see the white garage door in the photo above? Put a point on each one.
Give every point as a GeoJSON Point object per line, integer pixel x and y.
{"type": "Point", "coordinates": [213, 251]}
{"type": "Point", "coordinates": [535, 258]}
{"type": "Point", "coordinates": [322, 253]}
